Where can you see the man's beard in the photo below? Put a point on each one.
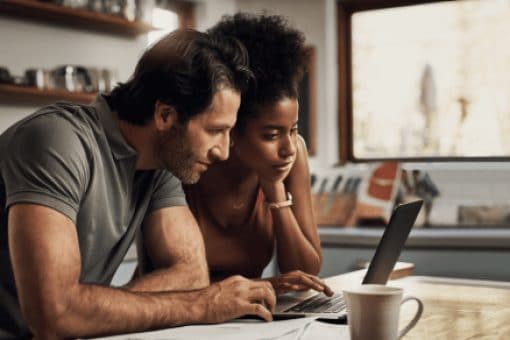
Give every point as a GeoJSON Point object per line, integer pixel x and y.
{"type": "Point", "coordinates": [177, 156]}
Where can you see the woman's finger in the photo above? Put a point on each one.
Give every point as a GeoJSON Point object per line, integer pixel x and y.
{"type": "Point", "coordinates": [305, 280]}
{"type": "Point", "coordinates": [325, 288]}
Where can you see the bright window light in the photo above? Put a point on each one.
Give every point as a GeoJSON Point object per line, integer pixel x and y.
{"type": "Point", "coordinates": [432, 80]}
{"type": "Point", "coordinates": [165, 21]}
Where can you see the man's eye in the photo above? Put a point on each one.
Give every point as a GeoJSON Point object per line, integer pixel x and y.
{"type": "Point", "coordinates": [294, 131]}
{"type": "Point", "coordinates": [216, 131]}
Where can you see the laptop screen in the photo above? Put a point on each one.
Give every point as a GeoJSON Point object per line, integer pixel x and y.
{"type": "Point", "coordinates": [391, 244]}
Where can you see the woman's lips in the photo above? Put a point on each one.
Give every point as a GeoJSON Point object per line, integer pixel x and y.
{"type": "Point", "coordinates": [283, 166]}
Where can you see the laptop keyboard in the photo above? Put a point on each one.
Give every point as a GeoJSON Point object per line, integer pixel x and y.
{"type": "Point", "coordinates": [320, 303]}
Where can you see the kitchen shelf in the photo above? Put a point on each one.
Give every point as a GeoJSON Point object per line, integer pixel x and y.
{"type": "Point", "coordinates": [81, 18]}
{"type": "Point", "coordinates": [21, 95]}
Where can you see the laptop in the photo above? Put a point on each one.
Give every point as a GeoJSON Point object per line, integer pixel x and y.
{"type": "Point", "coordinates": [388, 250]}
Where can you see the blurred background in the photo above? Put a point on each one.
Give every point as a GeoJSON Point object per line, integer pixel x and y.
{"type": "Point", "coordinates": [403, 99]}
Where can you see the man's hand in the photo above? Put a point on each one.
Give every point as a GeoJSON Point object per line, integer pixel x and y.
{"type": "Point", "coordinates": [298, 281]}
{"type": "Point", "coordinates": [237, 296]}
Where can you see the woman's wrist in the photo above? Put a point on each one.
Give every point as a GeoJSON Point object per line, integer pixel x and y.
{"type": "Point", "coordinates": [281, 204]}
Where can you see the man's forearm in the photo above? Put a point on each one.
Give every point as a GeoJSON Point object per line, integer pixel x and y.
{"type": "Point", "coordinates": [182, 276]}
{"type": "Point", "coordinates": [91, 310]}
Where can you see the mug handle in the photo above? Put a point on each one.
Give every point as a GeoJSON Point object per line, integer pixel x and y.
{"type": "Point", "coordinates": [416, 317]}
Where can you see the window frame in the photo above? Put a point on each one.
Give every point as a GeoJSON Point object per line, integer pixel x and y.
{"type": "Point", "coordinates": [310, 109]}
{"type": "Point", "coordinates": [345, 10]}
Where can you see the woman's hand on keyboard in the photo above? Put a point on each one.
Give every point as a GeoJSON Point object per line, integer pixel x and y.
{"type": "Point", "coordinates": [298, 281]}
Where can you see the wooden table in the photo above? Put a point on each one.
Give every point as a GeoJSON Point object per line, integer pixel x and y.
{"type": "Point", "coordinates": [453, 308]}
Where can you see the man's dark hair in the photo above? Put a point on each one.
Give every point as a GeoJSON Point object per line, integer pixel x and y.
{"type": "Point", "coordinates": [184, 69]}
{"type": "Point", "coordinates": [278, 58]}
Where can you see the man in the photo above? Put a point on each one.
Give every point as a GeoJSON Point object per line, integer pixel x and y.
{"type": "Point", "coordinates": [78, 181]}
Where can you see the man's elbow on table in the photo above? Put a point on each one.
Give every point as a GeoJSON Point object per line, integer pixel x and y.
{"type": "Point", "coordinates": [46, 319]}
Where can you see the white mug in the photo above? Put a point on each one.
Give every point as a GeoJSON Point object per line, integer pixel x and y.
{"type": "Point", "coordinates": [373, 312]}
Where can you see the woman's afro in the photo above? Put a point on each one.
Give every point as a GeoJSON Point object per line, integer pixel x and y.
{"type": "Point", "coordinates": [277, 53]}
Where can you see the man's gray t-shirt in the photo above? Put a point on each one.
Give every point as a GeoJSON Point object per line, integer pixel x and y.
{"type": "Point", "coordinates": [73, 158]}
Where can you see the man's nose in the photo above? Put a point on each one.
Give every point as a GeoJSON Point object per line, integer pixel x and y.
{"type": "Point", "coordinates": [220, 152]}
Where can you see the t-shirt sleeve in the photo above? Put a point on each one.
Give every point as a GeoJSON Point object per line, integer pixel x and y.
{"type": "Point", "coordinates": [46, 163]}
{"type": "Point", "coordinates": [167, 192]}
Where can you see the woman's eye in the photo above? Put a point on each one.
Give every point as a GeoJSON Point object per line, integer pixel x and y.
{"type": "Point", "coordinates": [271, 136]}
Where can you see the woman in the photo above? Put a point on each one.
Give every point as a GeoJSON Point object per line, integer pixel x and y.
{"type": "Point", "coordinates": [260, 197]}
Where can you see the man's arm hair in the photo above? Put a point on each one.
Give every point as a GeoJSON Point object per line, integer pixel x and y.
{"type": "Point", "coordinates": [46, 263]}
{"type": "Point", "coordinates": [56, 304]}
{"type": "Point", "coordinates": [171, 253]}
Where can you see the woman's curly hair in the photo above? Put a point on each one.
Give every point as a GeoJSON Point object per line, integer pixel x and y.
{"type": "Point", "coordinates": [277, 55]}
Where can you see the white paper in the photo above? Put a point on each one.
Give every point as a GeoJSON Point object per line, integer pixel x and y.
{"type": "Point", "coordinates": [323, 331]}
{"type": "Point", "coordinates": [239, 329]}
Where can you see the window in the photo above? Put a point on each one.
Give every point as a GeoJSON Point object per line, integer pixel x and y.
{"type": "Point", "coordinates": [424, 80]}
{"type": "Point", "coordinates": [165, 21]}
{"type": "Point", "coordinates": [169, 15]}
